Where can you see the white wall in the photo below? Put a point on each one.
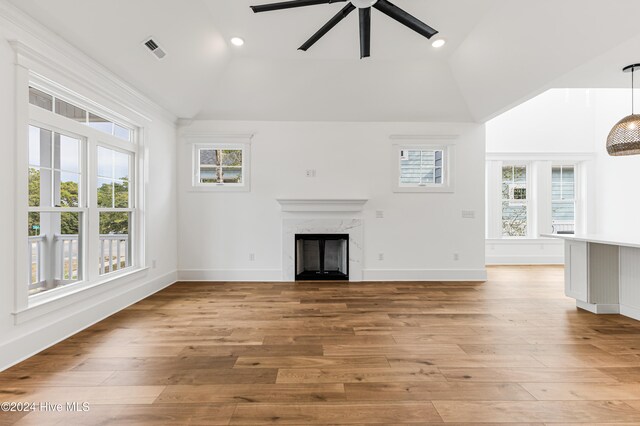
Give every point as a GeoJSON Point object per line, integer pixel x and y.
{"type": "Point", "coordinates": [419, 233]}
{"type": "Point", "coordinates": [558, 124]}
{"type": "Point", "coordinates": [557, 121]}
{"type": "Point", "coordinates": [20, 340]}
{"type": "Point", "coordinates": [618, 177]}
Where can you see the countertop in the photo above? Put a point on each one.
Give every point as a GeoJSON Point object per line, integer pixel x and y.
{"type": "Point", "coordinates": [613, 240]}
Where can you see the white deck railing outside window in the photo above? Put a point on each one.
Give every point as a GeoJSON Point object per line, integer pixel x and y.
{"type": "Point", "coordinates": [114, 255]}
{"type": "Point", "coordinates": [114, 249]}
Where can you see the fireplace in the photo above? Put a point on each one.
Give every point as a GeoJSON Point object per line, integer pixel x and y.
{"type": "Point", "coordinates": [322, 257]}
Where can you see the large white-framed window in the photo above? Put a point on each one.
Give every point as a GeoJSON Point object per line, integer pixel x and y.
{"type": "Point", "coordinates": [531, 195]}
{"type": "Point", "coordinates": [221, 164]}
{"type": "Point", "coordinates": [515, 201]}
{"type": "Point", "coordinates": [83, 222]}
{"type": "Point", "coordinates": [423, 166]}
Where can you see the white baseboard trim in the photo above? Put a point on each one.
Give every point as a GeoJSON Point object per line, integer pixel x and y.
{"type": "Point", "coordinates": [275, 275]}
{"type": "Point", "coordinates": [525, 260]}
{"type": "Point", "coordinates": [424, 274]}
{"type": "Point", "coordinates": [26, 346]}
{"type": "Point", "coordinates": [251, 275]}
{"type": "Point", "coordinates": [630, 311]}
{"type": "Point", "coordinates": [600, 309]}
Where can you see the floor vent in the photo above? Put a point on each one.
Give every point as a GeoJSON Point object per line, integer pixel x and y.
{"type": "Point", "coordinates": [154, 48]}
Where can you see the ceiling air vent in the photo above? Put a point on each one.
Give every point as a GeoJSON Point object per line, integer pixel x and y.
{"type": "Point", "coordinates": [154, 48]}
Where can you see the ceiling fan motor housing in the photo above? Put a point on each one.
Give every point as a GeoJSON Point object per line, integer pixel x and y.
{"type": "Point", "coordinates": [363, 4]}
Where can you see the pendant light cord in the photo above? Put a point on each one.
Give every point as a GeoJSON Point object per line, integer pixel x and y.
{"type": "Point", "coordinates": [633, 70]}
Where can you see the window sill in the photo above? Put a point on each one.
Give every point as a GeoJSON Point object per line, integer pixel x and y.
{"type": "Point", "coordinates": [422, 189]}
{"type": "Point", "coordinates": [515, 240]}
{"type": "Point", "coordinates": [40, 305]}
{"type": "Point", "coordinates": [220, 188]}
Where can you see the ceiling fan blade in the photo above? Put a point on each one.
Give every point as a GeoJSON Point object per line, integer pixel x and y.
{"type": "Point", "coordinates": [291, 4]}
{"type": "Point", "coordinates": [404, 18]}
{"type": "Point", "coordinates": [365, 32]}
{"type": "Point", "coordinates": [328, 26]}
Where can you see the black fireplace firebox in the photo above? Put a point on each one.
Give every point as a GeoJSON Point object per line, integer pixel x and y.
{"type": "Point", "coordinates": [322, 257]}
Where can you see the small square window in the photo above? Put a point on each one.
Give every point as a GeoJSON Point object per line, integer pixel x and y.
{"type": "Point", "coordinates": [221, 167]}
{"type": "Point", "coordinates": [423, 168]}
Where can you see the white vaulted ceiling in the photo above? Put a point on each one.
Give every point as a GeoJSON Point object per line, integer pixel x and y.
{"type": "Point", "coordinates": [498, 54]}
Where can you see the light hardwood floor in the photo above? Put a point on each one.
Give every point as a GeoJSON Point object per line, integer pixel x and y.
{"type": "Point", "coordinates": [512, 350]}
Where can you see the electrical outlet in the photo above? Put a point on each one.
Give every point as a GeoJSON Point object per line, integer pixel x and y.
{"type": "Point", "coordinates": [379, 214]}
{"type": "Point", "coordinates": [456, 256]}
{"type": "Point", "coordinates": [381, 256]}
{"type": "Point", "coordinates": [153, 264]}
{"type": "Point", "coordinates": [252, 257]}
{"type": "Point", "coordinates": [311, 173]}
{"type": "Point", "coordinates": [468, 214]}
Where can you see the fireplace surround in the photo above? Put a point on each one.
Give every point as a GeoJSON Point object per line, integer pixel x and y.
{"type": "Point", "coordinates": [321, 225]}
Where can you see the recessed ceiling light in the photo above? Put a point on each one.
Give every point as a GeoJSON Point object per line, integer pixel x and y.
{"type": "Point", "coordinates": [439, 43]}
{"type": "Point", "coordinates": [237, 41]}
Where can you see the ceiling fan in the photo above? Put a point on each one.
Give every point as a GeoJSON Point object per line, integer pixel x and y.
{"type": "Point", "coordinates": [364, 8]}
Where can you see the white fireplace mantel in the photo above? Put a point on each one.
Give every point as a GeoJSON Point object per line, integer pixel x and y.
{"type": "Point", "coordinates": [322, 205]}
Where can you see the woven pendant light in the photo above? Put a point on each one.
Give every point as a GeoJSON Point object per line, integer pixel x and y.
{"type": "Point", "coordinates": [624, 138]}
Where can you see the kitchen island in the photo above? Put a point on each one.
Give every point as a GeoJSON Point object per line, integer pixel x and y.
{"type": "Point", "coordinates": [602, 272]}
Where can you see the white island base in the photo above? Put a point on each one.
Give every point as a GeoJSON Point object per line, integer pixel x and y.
{"type": "Point", "coordinates": [603, 273]}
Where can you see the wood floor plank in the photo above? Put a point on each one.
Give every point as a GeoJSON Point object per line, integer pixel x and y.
{"type": "Point", "coordinates": [459, 339]}
{"type": "Point", "coordinates": [253, 350]}
{"type": "Point", "coordinates": [583, 391]}
{"type": "Point", "coordinates": [9, 418]}
{"type": "Point", "coordinates": [94, 394]}
{"type": "Point", "coordinates": [330, 340]}
{"type": "Point", "coordinates": [47, 363]}
{"type": "Point", "coordinates": [138, 415]}
{"type": "Point", "coordinates": [326, 414]}
{"type": "Point", "coordinates": [435, 391]}
{"type": "Point", "coordinates": [334, 362]}
{"type": "Point", "coordinates": [104, 351]}
{"type": "Point", "coordinates": [230, 376]}
{"type": "Point", "coordinates": [156, 363]}
{"type": "Point", "coordinates": [293, 393]}
{"type": "Point", "coordinates": [432, 349]}
{"type": "Point", "coordinates": [462, 361]}
{"type": "Point", "coordinates": [528, 349]}
{"type": "Point", "coordinates": [544, 375]}
{"type": "Point", "coordinates": [590, 412]}
{"type": "Point", "coordinates": [17, 378]}
{"type": "Point", "coordinates": [623, 374]}
{"type": "Point", "coordinates": [587, 360]}
{"type": "Point", "coordinates": [359, 375]}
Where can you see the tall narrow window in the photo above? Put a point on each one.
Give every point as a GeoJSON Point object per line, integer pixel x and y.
{"type": "Point", "coordinates": [563, 199]}
{"type": "Point", "coordinates": [514, 201]}
{"type": "Point", "coordinates": [55, 209]}
{"type": "Point", "coordinates": [115, 209]}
